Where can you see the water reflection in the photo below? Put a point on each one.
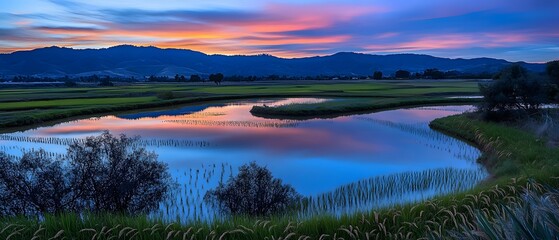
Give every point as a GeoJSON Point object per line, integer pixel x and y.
{"type": "Point", "coordinates": [205, 144]}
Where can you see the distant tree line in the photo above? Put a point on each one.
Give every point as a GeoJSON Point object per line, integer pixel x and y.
{"type": "Point", "coordinates": [432, 73]}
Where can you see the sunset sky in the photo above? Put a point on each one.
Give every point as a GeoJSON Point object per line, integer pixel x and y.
{"type": "Point", "coordinates": [516, 30]}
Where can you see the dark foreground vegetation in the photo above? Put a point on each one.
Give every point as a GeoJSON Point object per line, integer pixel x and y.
{"type": "Point", "coordinates": [253, 192]}
{"type": "Point", "coordinates": [104, 174]}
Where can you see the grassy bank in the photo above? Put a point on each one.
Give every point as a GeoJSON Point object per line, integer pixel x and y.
{"type": "Point", "coordinates": [28, 106]}
{"type": "Point", "coordinates": [512, 156]}
{"type": "Point", "coordinates": [341, 107]}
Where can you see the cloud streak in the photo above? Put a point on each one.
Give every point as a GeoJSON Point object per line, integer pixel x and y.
{"type": "Point", "coordinates": [514, 30]}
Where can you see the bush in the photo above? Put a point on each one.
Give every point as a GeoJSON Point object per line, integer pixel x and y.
{"type": "Point", "coordinates": [252, 192]}
{"type": "Point", "coordinates": [101, 174]}
{"type": "Point", "coordinates": [514, 90]}
{"type": "Point", "coordinates": [34, 184]}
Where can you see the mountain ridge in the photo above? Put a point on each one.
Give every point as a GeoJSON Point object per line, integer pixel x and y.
{"type": "Point", "coordinates": [136, 61]}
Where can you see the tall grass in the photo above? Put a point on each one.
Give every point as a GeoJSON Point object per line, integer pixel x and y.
{"type": "Point", "coordinates": [533, 216]}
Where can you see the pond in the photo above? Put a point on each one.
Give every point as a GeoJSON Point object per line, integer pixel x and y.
{"type": "Point", "coordinates": [343, 165]}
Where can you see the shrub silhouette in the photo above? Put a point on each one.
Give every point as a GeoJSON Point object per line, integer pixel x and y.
{"type": "Point", "coordinates": [513, 90]}
{"type": "Point", "coordinates": [101, 174]}
{"type": "Point", "coordinates": [252, 192]}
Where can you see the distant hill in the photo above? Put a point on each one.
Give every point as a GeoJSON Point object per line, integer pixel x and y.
{"type": "Point", "coordinates": [128, 61]}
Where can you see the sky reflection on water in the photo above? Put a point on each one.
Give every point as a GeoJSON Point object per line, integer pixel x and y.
{"type": "Point", "coordinates": [314, 156]}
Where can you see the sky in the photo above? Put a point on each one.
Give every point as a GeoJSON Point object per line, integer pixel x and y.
{"type": "Point", "coordinates": [515, 30]}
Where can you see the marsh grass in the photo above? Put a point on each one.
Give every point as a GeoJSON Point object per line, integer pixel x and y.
{"type": "Point", "coordinates": [535, 215]}
{"type": "Point", "coordinates": [545, 126]}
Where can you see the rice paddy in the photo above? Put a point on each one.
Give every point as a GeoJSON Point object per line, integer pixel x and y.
{"type": "Point", "coordinates": [352, 210]}
{"type": "Point", "coordinates": [209, 143]}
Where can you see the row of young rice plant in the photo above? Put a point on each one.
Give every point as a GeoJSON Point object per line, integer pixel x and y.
{"type": "Point", "coordinates": [68, 141]}
{"type": "Point", "coordinates": [185, 204]}
{"type": "Point", "coordinates": [390, 190]}
{"type": "Point", "coordinates": [446, 218]}
{"type": "Point", "coordinates": [432, 139]}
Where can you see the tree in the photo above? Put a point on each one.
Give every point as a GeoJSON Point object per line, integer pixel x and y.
{"type": "Point", "coordinates": [402, 74]}
{"type": "Point", "coordinates": [514, 90]}
{"type": "Point", "coordinates": [34, 184]}
{"type": "Point", "coordinates": [195, 78]}
{"type": "Point", "coordinates": [552, 70]}
{"type": "Point", "coordinates": [105, 82]}
{"type": "Point", "coordinates": [70, 83]}
{"type": "Point", "coordinates": [252, 192]}
{"type": "Point", "coordinates": [101, 174]}
{"type": "Point", "coordinates": [377, 75]}
{"type": "Point", "coordinates": [433, 73]}
{"type": "Point", "coordinates": [216, 78]}
{"type": "Point", "coordinates": [117, 176]}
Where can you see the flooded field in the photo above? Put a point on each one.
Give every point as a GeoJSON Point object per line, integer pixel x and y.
{"type": "Point", "coordinates": [341, 165]}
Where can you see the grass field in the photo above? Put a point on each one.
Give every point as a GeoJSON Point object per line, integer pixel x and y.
{"type": "Point", "coordinates": [27, 106]}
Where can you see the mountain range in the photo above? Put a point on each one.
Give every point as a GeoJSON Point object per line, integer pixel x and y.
{"type": "Point", "coordinates": [133, 61]}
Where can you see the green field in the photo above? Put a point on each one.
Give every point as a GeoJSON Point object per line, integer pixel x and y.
{"type": "Point", "coordinates": [28, 106]}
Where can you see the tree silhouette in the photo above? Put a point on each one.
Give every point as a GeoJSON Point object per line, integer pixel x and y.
{"type": "Point", "coordinates": [402, 74]}
{"type": "Point", "coordinates": [552, 69]}
{"type": "Point", "coordinates": [216, 78]}
{"type": "Point", "coordinates": [377, 75]}
{"type": "Point", "coordinates": [252, 192]}
{"type": "Point", "coordinates": [195, 78]}
{"type": "Point", "coordinates": [513, 90]}
{"type": "Point", "coordinates": [101, 174]}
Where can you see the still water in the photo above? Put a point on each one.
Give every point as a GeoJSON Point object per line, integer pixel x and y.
{"type": "Point", "coordinates": [205, 144]}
